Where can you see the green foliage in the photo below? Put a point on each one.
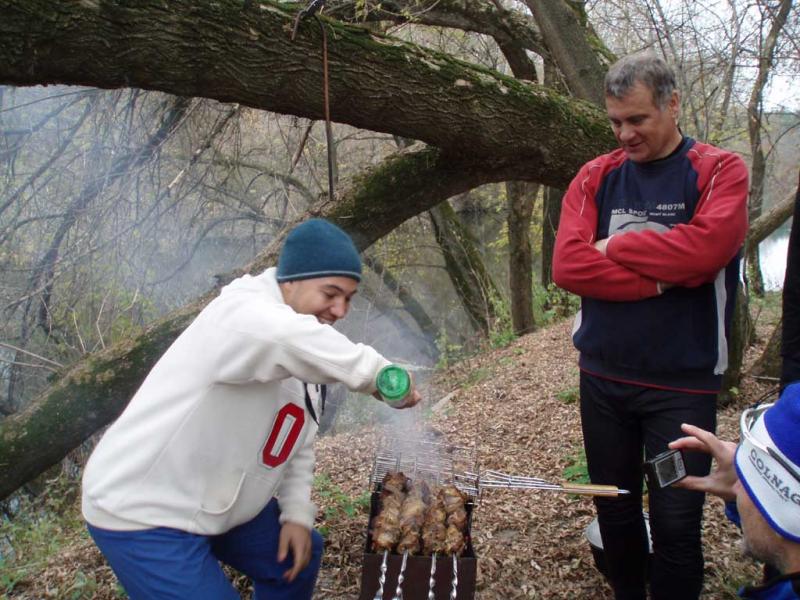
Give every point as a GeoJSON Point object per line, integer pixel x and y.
{"type": "Point", "coordinates": [552, 304]}
{"type": "Point", "coordinates": [501, 329]}
{"type": "Point", "coordinates": [36, 532]}
{"type": "Point", "coordinates": [83, 586]}
{"type": "Point", "coordinates": [337, 502]}
{"type": "Point", "coordinates": [9, 578]}
{"type": "Point", "coordinates": [569, 395]}
{"type": "Point", "coordinates": [577, 471]}
{"type": "Point", "coordinates": [449, 353]}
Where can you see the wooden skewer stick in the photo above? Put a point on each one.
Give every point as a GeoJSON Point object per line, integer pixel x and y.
{"type": "Point", "coordinates": [591, 489]}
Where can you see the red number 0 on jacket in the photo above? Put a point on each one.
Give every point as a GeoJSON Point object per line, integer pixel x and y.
{"type": "Point", "coordinates": [273, 456]}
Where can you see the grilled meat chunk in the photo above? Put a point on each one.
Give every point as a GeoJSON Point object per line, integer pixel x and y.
{"type": "Point", "coordinates": [434, 529]}
{"type": "Point", "coordinates": [453, 500]}
{"type": "Point", "coordinates": [386, 524]}
{"type": "Point", "coordinates": [412, 516]}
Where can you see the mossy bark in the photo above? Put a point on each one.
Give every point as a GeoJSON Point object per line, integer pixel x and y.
{"type": "Point", "coordinates": [96, 390]}
{"type": "Point", "coordinates": [521, 199]}
{"type": "Point", "coordinates": [471, 280]}
{"type": "Point", "coordinates": [217, 50]}
{"type": "Point", "coordinates": [82, 401]}
{"type": "Point", "coordinates": [572, 48]}
{"type": "Point", "coordinates": [481, 126]}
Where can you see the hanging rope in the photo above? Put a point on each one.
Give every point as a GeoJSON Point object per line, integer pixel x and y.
{"type": "Point", "coordinates": [326, 96]}
{"type": "Point", "coordinates": [314, 7]}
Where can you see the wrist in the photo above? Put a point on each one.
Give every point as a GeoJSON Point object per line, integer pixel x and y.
{"type": "Point", "coordinates": [608, 243]}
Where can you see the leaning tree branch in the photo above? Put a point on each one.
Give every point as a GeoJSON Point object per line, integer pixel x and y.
{"type": "Point", "coordinates": [214, 49]}
{"type": "Point", "coordinates": [763, 226]}
{"type": "Point", "coordinates": [95, 391]}
{"type": "Point", "coordinates": [486, 18]}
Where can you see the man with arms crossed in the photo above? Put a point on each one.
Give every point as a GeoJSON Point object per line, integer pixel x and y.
{"type": "Point", "coordinates": [649, 237]}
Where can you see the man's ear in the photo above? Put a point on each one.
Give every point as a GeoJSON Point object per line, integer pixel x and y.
{"type": "Point", "coordinates": [674, 105]}
{"type": "Point", "coordinates": [286, 290]}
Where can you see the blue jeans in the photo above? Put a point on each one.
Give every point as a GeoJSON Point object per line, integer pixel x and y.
{"type": "Point", "coordinates": [165, 563]}
{"type": "Point", "coordinates": [622, 423]}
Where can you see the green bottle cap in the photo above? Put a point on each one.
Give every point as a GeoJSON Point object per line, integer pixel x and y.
{"type": "Point", "coordinates": [393, 383]}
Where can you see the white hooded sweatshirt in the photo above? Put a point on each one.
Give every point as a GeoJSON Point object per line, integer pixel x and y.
{"type": "Point", "coordinates": [220, 424]}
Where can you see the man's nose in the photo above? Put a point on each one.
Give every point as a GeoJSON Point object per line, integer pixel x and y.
{"type": "Point", "coordinates": [339, 309]}
{"type": "Point", "coordinates": [626, 132]}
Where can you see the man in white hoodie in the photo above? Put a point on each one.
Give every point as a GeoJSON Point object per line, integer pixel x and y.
{"type": "Point", "coordinates": [212, 460]}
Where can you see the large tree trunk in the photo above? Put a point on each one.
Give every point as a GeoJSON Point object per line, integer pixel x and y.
{"type": "Point", "coordinates": [474, 286]}
{"type": "Point", "coordinates": [566, 38]}
{"type": "Point", "coordinates": [755, 116]}
{"type": "Point", "coordinates": [487, 128]}
{"type": "Point", "coordinates": [552, 214]}
{"type": "Point", "coordinates": [521, 198]}
{"type": "Point", "coordinates": [95, 391]}
{"type": "Point", "coordinates": [216, 50]}
{"type": "Point", "coordinates": [507, 27]}
{"type": "Point", "coordinates": [88, 397]}
{"type": "Point", "coordinates": [740, 335]}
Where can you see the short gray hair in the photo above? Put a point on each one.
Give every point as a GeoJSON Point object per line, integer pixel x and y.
{"type": "Point", "coordinates": [650, 70]}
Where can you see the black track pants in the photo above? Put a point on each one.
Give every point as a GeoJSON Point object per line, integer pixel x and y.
{"type": "Point", "coordinates": [621, 424]}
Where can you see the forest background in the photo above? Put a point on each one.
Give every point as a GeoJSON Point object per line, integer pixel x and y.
{"type": "Point", "coordinates": [149, 154]}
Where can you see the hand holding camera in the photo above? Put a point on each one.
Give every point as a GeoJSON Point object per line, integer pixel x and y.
{"type": "Point", "coordinates": [720, 482]}
{"type": "Point", "coordinates": [665, 469]}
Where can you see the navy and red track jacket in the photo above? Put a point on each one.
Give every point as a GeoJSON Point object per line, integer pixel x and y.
{"type": "Point", "coordinates": [677, 223]}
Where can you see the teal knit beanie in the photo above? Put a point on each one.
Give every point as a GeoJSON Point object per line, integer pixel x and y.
{"type": "Point", "coordinates": [318, 248]}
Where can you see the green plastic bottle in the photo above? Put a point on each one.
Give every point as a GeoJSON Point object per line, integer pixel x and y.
{"type": "Point", "coordinates": [393, 383]}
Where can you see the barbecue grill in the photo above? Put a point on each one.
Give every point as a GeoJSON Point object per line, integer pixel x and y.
{"type": "Point", "coordinates": [393, 576]}
{"type": "Point", "coordinates": [418, 577]}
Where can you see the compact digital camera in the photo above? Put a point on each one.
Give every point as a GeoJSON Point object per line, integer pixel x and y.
{"type": "Point", "coordinates": [665, 469]}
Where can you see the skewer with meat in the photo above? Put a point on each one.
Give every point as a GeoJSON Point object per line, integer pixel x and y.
{"type": "Point", "coordinates": [453, 500]}
{"type": "Point", "coordinates": [386, 525]}
{"type": "Point", "coordinates": [394, 482]}
{"type": "Point", "coordinates": [412, 517]}
{"type": "Point", "coordinates": [434, 528]}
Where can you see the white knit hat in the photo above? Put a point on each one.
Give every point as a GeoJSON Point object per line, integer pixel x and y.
{"type": "Point", "coordinates": [768, 463]}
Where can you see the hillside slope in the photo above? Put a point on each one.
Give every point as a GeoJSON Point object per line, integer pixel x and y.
{"type": "Point", "coordinates": [519, 405]}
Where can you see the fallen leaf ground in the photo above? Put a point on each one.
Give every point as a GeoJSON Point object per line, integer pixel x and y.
{"type": "Point", "coordinates": [519, 404]}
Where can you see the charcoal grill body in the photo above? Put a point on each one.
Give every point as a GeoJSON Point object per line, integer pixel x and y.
{"type": "Point", "coordinates": [416, 577]}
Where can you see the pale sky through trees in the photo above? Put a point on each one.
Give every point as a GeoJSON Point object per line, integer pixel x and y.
{"type": "Point", "coordinates": [783, 93]}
